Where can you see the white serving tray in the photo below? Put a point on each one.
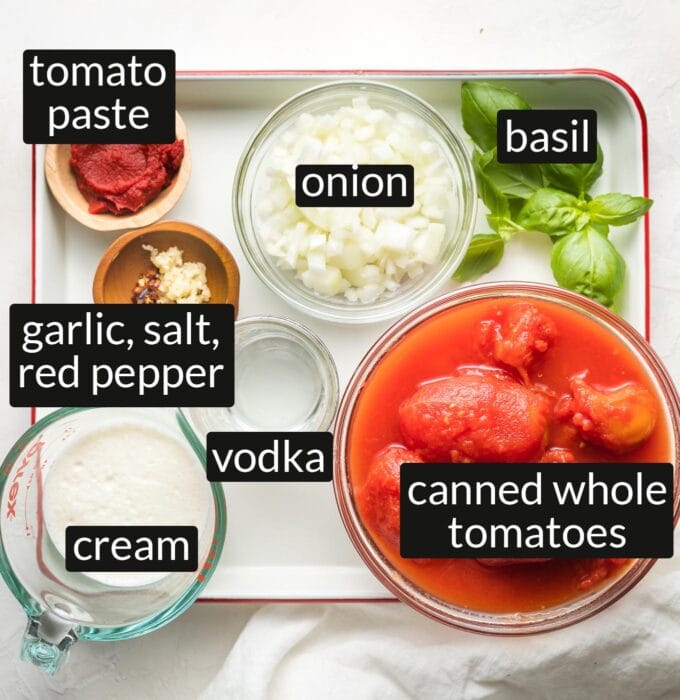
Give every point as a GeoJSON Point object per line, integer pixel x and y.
{"type": "Point", "coordinates": [286, 541]}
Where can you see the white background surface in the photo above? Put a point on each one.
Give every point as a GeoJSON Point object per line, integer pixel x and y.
{"type": "Point", "coordinates": [636, 40]}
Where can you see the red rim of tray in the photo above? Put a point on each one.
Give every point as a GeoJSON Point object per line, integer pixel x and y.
{"type": "Point", "coordinates": [593, 72]}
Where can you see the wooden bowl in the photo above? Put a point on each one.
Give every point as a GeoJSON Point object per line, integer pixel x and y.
{"type": "Point", "coordinates": [64, 186]}
{"type": "Point", "coordinates": [125, 261]}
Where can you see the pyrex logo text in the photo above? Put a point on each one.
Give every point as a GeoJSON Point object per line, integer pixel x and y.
{"type": "Point", "coordinates": [14, 489]}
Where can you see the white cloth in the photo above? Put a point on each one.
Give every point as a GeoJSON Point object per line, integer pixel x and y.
{"type": "Point", "coordinates": [389, 652]}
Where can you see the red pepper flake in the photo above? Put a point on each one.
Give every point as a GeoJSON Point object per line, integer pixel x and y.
{"type": "Point", "coordinates": [146, 289]}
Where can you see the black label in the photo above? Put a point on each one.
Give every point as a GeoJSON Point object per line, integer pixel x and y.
{"type": "Point", "coordinates": [99, 96]}
{"type": "Point", "coordinates": [121, 355]}
{"type": "Point", "coordinates": [270, 456]}
{"type": "Point", "coordinates": [547, 136]}
{"type": "Point", "coordinates": [131, 548]}
{"type": "Point", "coordinates": [537, 510]}
{"type": "Point", "coordinates": [354, 185]}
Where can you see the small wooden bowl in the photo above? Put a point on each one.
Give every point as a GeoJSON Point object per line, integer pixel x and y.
{"type": "Point", "coordinates": [64, 186]}
{"type": "Point", "coordinates": [125, 261]}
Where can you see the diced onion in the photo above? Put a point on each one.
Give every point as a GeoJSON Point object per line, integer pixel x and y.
{"type": "Point", "coordinates": [362, 253]}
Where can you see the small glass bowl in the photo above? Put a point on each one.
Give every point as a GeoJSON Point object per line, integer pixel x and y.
{"type": "Point", "coordinates": [459, 222]}
{"type": "Point", "coordinates": [542, 620]}
{"type": "Point", "coordinates": [286, 380]}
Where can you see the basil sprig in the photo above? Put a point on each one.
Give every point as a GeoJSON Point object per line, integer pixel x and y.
{"type": "Point", "coordinates": [549, 198]}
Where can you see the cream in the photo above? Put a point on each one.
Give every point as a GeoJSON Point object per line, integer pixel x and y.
{"type": "Point", "coordinates": [125, 474]}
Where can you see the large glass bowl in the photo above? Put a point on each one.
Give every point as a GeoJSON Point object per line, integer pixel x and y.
{"type": "Point", "coordinates": [321, 100]}
{"type": "Point", "coordinates": [479, 621]}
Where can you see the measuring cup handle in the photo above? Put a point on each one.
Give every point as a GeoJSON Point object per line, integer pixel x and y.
{"type": "Point", "coordinates": [46, 642]}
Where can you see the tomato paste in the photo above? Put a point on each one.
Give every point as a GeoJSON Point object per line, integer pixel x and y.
{"type": "Point", "coordinates": [500, 381]}
{"type": "Point", "coordinates": [123, 178]}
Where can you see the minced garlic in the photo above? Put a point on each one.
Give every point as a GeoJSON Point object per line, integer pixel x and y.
{"type": "Point", "coordinates": [179, 282]}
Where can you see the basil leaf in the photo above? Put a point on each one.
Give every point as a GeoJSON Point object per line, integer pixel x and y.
{"type": "Point", "coordinates": [480, 102]}
{"type": "Point", "coordinates": [495, 222]}
{"type": "Point", "coordinates": [618, 209]}
{"type": "Point", "coordinates": [496, 202]}
{"type": "Point", "coordinates": [576, 178]}
{"type": "Point", "coordinates": [513, 180]}
{"type": "Point", "coordinates": [586, 262]}
{"type": "Point", "coordinates": [553, 211]}
{"type": "Point", "coordinates": [602, 229]}
{"type": "Point", "coordinates": [556, 235]}
{"type": "Point", "coordinates": [515, 208]}
{"type": "Point", "coordinates": [483, 254]}
{"type": "Point", "coordinates": [505, 227]}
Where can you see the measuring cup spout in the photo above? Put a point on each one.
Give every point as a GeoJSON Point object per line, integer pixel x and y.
{"type": "Point", "coordinates": [46, 642]}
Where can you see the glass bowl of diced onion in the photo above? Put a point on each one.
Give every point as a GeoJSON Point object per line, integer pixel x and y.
{"type": "Point", "coordinates": [344, 263]}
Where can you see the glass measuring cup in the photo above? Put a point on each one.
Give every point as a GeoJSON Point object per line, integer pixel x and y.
{"type": "Point", "coordinates": [64, 606]}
